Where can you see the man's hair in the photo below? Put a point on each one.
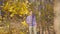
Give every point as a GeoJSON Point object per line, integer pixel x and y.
{"type": "Point", "coordinates": [30, 10]}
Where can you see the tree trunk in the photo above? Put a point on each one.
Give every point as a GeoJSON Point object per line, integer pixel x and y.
{"type": "Point", "coordinates": [57, 17]}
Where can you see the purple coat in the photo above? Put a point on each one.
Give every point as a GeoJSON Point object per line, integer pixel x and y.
{"type": "Point", "coordinates": [31, 20]}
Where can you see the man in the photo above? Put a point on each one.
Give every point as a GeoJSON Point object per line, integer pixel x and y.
{"type": "Point", "coordinates": [31, 21]}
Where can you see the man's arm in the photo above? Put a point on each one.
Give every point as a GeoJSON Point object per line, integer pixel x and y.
{"type": "Point", "coordinates": [28, 20]}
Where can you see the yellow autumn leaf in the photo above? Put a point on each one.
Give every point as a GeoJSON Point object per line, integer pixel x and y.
{"type": "Point", "coordinates": [12, 15]}
{"type": "Point", "coordinates": [24, 23]}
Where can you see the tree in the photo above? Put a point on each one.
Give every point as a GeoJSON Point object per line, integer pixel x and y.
{"type": "Point", "coordinates": [57, 16]}
{"type": "Point", "coordinates": [15, 9]}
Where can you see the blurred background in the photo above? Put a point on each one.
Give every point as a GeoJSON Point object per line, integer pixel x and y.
{"type": "Point", "coordinates": [13, 15]}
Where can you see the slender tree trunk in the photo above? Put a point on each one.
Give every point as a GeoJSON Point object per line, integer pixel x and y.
{"type": "Point", "coordinates": [57, 16]}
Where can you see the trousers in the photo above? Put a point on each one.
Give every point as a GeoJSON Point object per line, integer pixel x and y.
{"type": "Point", "coordinates": [32, 29]}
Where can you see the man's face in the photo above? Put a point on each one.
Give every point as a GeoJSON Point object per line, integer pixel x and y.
{"type": "Point", "coordinates": [31, 13]}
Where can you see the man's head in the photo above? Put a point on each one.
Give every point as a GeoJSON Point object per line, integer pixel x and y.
{"type": "Point", "coordinates": [30, 12]}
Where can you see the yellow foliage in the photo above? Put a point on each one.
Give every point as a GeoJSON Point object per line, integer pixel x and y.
{"type": "Point", "coordinates": [22, 32]}
{"type": "Point", "coordinates": [19, 8]}
{"type": "Point", "coordinates": [12, 15]}
{"type": "Point", "coordinates": [24, 23]}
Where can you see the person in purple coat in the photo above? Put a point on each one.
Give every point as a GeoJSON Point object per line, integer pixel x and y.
{"type": "Point", "coordinates": [31, 21]}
